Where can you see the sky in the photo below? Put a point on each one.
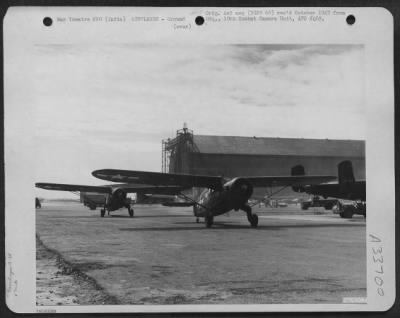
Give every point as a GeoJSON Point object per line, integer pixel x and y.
{"type": "Point", "coordinates": [109, 106]}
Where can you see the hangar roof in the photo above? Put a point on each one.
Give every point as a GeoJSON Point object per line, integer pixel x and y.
{"type": "Point", "coordinates": [279, 146]}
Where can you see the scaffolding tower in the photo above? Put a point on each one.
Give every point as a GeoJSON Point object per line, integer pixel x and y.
{"type": "Point", "coordinates": [176, 152]}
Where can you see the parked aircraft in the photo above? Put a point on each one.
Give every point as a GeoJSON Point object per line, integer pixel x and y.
{"type": "Point", "coordinates": [116, 194]}
{"type": "Point", "coordinates": [345, 188]}
{"type": "Point", "coordinates": [219, 195]}
{"type": "Point", "coordinates": [93, 199]}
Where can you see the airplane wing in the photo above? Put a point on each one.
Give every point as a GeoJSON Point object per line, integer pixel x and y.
{"type": "Point", "coordinates": [288, 180]}
{"type": "Point", "coordinates": [188, 181]}
{"type": "Point", "coordinates": [129, 188]}
{"type": "Point", "coordinates": [73, 187]}
{"type": "Point", "coordinates": [149, 189]}
{"type": "Point", "coordinates": [159, 179]}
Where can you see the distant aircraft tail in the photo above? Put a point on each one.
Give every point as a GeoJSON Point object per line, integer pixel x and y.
{"type": "Point", "coordinates": [345, 171]}
{"type": "Point", "coordinates": [346, 187]}
{"type": "Point", "coordinates": [298, 171]}
{"type": "Point", "coordinates": [346, 175]}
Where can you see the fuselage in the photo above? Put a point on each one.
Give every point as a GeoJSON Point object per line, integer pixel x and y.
{"type": "Point", "coordinates": [117, 200]}
{"type": "Point", "coordinates": [233, 195]}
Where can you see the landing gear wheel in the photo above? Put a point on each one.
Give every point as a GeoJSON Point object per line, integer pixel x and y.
{"type": "Point", "coordinates": [346, 214]}
{"type": "Point", "coordinates": [209, 221]}
{"type": "Point", "coordinates": [102, 212]}
{"type": "Point", "coordinates": [253, 219]}
{"type": "Point", "coordinates": [197, 220]}
{"type": "Point", "coordinates": [131, 213]}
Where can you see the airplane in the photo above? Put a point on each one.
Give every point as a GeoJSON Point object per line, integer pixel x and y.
{"type": "Point", "coordinates": [115, 194]}
{"type": "Point", "coordinates": [92, 199]}
{"type": "Point", "coordinates": [218, 195]}
{"type": "Point", "coordinates": [346, 187]}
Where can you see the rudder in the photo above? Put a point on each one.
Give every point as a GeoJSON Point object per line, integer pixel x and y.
{"type": "Point", "coordinates": [345, 173]}
{"type": "Point", "coordinates": [298, 170]}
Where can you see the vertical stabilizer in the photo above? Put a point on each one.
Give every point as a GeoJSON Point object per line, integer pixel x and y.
{"type": "Point", "coordinates": [345, 173]}
{"type": "Point", "coordinates": [298, 170]}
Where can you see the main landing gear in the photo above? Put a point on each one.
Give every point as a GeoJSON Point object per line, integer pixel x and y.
{"type": "Point", "coordinates": [103, 212]}
{"type": "Point", "coordinates": [131, 212]}
{"type": "Point", "coordinates": [209, 220]}
{"type": "Point", "coordinates": [251, 217]}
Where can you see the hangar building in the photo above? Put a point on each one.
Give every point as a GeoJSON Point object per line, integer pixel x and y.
{"type": "Point", "coordinates": [251, 156]}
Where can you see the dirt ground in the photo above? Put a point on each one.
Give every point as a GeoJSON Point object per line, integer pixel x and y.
{"type": "Point", "coordinates": [163, 257]}
{"type": "Point", "coordinates": [58, 283]}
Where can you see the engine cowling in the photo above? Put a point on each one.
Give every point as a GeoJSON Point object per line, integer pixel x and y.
{"type": "Point", "coordinates": [239, 187]}
{"type": "Point", "coordinates": [118, 195]}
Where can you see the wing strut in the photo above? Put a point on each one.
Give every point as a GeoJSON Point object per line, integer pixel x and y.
{"type": "Point", "coordinates": [270, 194]}
{"type": "Point", "coordinates": [184, 196]}
{"type": "Point", "coordinates": [276, 192]}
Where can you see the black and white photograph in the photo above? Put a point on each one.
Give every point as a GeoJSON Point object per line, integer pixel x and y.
{"type": "Point", "coordinates": [175, 174]}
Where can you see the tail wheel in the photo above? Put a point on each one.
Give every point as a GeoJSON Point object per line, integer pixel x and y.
{"type": "Point", "coordinates": [102, 212]}
{"type": "Point", "coordinates": [209, 221]}
{"type": "Point", "coordinates": [131, 213]}
{"type": "Point", "coordinates": [346, 214]}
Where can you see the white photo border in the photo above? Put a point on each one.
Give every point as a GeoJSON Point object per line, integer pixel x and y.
{"type": "Point", "coordinates": [377, 38]}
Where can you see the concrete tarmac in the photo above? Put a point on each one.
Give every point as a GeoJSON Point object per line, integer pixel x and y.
{"type": "Point", "coordinates": [162, 256]}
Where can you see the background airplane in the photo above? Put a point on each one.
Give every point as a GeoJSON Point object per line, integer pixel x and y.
{"type": "Point", "coordinates": [346, 187]}
{"type": "Point", "coordinates": [115, 195]}
{"type": "Point", "coordinates": [218, 195]}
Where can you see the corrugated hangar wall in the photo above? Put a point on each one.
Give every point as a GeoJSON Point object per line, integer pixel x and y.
{"type": "Point", "coordinates": [243, 165]}
{"type": "Point", "coordinates": [249, 156]}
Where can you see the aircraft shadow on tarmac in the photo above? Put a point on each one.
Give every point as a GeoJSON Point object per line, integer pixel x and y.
{"type": "Point", "coordinates": [147, 216]}
{"type": "Point", "coordinates": [225, 226]}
